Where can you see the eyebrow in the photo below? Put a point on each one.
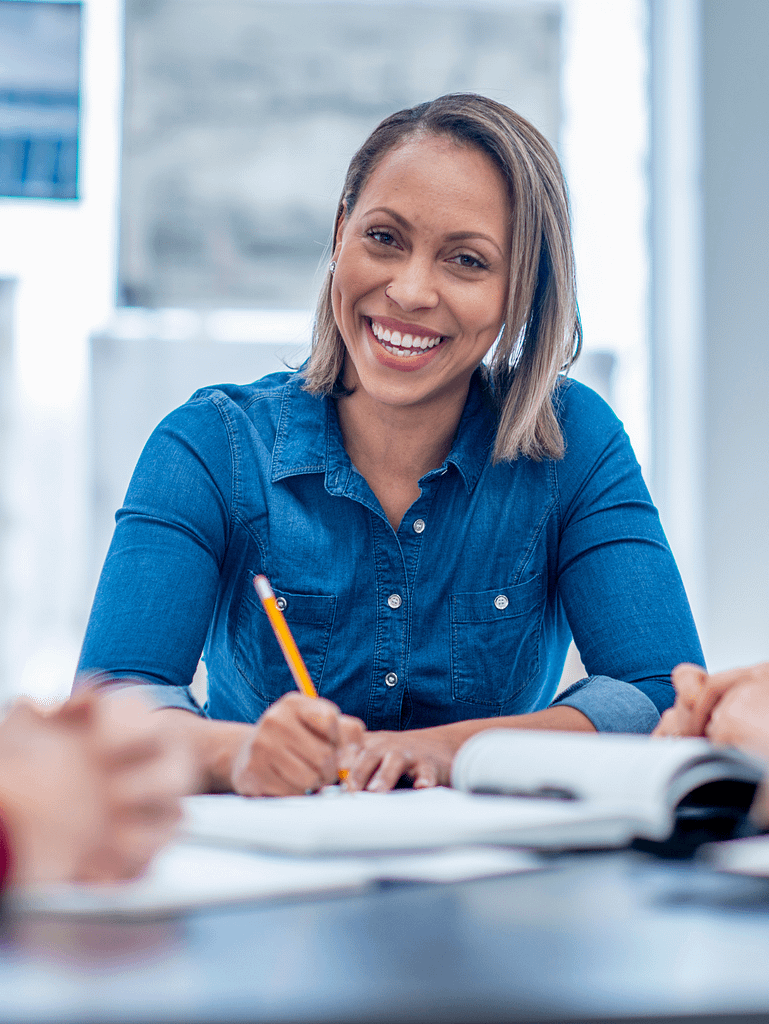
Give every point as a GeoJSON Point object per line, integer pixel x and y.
{"type": "Point", "coordinates": [455, 236]}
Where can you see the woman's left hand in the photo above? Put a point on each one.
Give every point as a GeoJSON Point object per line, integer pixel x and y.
{"type": "Point", "coordinates": [383, 757]}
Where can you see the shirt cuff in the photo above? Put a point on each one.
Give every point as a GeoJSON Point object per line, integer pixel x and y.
{"type": "Point", "coordinates": [611, 705]}
{"type": "Point", "coordinates": [159, 695]}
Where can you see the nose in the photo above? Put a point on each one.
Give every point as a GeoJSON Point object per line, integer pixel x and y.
{"type": "Point", "coordinates": [413, 284]}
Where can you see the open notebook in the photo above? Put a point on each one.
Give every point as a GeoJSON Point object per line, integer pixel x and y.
{"type": "Point", "coordinates": [546, 790]}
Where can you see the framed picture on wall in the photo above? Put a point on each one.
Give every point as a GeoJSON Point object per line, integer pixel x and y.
{"type": "Point", "coordinates": [39, 99]}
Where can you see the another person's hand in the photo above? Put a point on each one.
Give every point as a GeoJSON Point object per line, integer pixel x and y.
{"type": "Point", "coordinates": [699, 699]}
{"type": "Point", "coordinates": [740, 718]}
{"type": "Point", "coordinates": [146, 768]}
{"type": "Point", "coordinates": [90, 791]}
{"type": "Point", "coordinates": [297, 746]}
{"type": "Point", "coordinates": [425, 755]}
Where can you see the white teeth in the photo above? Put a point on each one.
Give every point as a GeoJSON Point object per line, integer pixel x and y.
{"type": "Point", "coordinates": [402, 345]}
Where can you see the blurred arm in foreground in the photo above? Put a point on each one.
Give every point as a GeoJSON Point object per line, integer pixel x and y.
{"type": "Point", "coordinates": [90, 791]}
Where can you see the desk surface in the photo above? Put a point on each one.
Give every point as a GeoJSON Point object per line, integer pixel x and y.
{"type": "Point", "coordinates": [612, 936]}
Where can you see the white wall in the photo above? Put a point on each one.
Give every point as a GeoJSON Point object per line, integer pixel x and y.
{"type": "Point", "coordinates": [61, 255]}
{"type": "Point", "coordinates": [735, 188]}
{"type": "Point", "coordinates": [711, 334]}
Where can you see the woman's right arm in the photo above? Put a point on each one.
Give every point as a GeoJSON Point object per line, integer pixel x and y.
{"type": "Point", "coordinates": [154, 604]}
{"type": "Point", "coordinates": [297, 745]}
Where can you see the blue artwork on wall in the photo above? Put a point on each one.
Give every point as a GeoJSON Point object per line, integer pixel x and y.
{"type": "Point", "coordinates": [39, 99]}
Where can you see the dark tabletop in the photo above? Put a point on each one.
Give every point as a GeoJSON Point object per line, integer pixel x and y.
{"type": "Point", "coordinates": [611, 936]}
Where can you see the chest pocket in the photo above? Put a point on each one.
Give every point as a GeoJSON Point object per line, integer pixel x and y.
{"type": "Point", "coordinates": [495, 643]}
{"type": "Point", "coordinates": [258, 656]}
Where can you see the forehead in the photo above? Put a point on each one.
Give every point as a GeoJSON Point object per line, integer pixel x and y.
{"type": "Point", "coordinates": [438, 177]}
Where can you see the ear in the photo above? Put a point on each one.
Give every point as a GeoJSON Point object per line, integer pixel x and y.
{"type": "Point", "coordinates": [341, 219]}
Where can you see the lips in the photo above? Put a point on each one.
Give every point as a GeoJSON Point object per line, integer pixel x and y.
{"type": "Point", "coordinates": [403, 344]}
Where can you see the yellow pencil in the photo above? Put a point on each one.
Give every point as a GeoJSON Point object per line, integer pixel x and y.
{"type": "Point", "coordinates": [287, 643]}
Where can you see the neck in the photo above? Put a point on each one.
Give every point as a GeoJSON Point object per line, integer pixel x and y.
{"type": "Point", "coordinates": [404, 443]}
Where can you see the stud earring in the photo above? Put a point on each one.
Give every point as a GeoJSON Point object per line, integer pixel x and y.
{"type": "Point", "coordinates": [332, 266]}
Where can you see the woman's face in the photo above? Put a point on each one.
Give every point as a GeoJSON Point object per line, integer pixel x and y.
{"type": "Point", "coordinates": [422, 272]}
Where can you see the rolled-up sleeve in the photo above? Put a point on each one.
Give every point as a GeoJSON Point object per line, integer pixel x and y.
{"type": "Point", "coordinates": [611, 704]}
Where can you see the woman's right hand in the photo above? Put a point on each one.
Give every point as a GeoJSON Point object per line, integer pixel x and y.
{"type": "Point", "coordinates": [296, 747]}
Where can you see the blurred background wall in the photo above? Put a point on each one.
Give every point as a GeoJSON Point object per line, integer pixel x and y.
{"type": "Point", "coordinates": [213, 138]}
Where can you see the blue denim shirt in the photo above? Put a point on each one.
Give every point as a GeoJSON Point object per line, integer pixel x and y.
{"type": "Point", "coordinates": [465, 612]}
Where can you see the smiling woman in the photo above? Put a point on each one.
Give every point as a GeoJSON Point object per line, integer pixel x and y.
{"type": "Point", "coordinates": [435, 528]}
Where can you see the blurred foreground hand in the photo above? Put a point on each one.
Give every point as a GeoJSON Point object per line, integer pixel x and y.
{"type": "Point", "coordinates": [90, 791]}
{"type": "Point", "coordinates": [730, 708]}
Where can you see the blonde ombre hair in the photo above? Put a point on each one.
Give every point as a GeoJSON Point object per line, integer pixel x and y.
{"type": "Point", "coordinates": [541, 336]}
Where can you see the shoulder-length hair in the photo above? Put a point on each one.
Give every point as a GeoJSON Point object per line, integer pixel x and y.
{"type": "Point", "coordinates": [541, 335]}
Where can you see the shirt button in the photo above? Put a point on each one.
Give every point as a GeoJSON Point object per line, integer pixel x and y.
{"type": "Point", "coordinates": [419, 525]}
{"type": "Point", "coordinates": [391, 679]}
{"type": "Point", "coordinates": [282, 603]}
{"type": "Point", "coordinates": [394, 600]}
{"type": "Point", "coordinates": [501, 602]}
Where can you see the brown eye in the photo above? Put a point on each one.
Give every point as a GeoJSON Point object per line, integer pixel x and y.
{"type": "Point", "coordinates": [383, 237]}
{"type": "Point", "coordinates": [465, 259]}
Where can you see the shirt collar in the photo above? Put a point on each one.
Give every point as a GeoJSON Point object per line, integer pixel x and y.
{"type": "Point", "coordinates": [309, 440]}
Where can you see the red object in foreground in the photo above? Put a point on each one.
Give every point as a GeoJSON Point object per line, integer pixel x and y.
{"type": "Point", "coordinates": [5, 854]}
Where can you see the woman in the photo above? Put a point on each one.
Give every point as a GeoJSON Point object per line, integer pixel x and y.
{"type": "Point", "coordinates": [435, 530]}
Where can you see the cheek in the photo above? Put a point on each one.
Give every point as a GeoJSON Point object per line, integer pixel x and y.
{"type": "Point", "coordinates": [483, 317]}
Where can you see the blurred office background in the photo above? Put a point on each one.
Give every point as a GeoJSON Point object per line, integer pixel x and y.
{"type": "Point", "coordinates": [168, 176]}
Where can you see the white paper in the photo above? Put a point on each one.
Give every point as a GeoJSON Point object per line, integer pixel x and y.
{"type": "Point", "coordinates": [404, 819]}
{"type": "Point", "coordinates": [187, 876]}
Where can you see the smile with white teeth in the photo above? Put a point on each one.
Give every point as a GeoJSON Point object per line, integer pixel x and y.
{"type": "Point", "coordinates": [403, 344]}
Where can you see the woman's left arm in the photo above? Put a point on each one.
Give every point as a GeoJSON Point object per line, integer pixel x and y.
{"type": "Point", "coordinates": [617, 578]}
{"type": "Point", "coordinates": [622, 595]}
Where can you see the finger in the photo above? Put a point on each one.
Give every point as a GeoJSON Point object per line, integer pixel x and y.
{"type": "Point", "coordinates": [276, 735]}
{"type": "Point", "coordinates": [351, 731]}
{"type": "Point", "coordinates": [394, 764]}
{"type": "Point", "coordinates": [351, 742]}
{"type": "Point", "coordinates": [362, 767]}
{"type": "Point", "coordinates": [669, 723]}
{"type": "Point", "coordinates": [284, 774]}
{"type": "Point", "coordinates": [319, 715]}
{"type": "Point", "coordinates": [716, 688]}
{"type": "Point", "coordinates": [127, 732]}
{"type": "Point", "coordinates": [425, 775]}
{"type": "Point", "coordinates": [688, 681]}
{"type": "Point", "coordinates": [740, 718]}
{"type": "Point", "coordinates": [151, 791]}
{"type": "Point", "coordinates": [79, 710]}
{"type": "Point", "coordinates": [23, 710]}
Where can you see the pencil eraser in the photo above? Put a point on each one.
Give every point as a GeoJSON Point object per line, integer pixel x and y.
{"type": "Point", "coordinates": [263, 588]}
